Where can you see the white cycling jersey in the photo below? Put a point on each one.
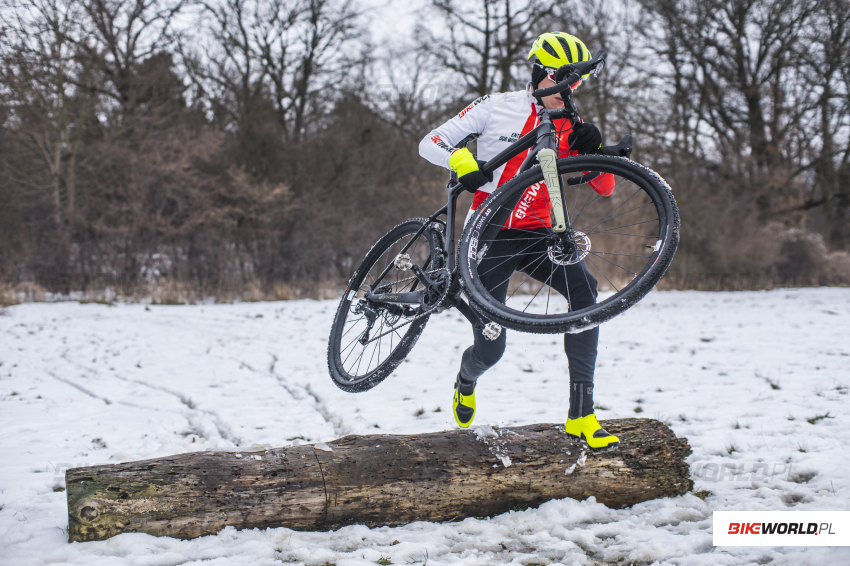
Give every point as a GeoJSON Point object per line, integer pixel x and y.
{"type": "Point", "coordinates": [499, 120]}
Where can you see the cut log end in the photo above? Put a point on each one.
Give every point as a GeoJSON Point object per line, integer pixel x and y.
{"type": "Point", "coordinates": [375, 480]}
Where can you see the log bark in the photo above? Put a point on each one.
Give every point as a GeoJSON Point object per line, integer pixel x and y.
{"type": "Point", "coordinates": [374, 480]}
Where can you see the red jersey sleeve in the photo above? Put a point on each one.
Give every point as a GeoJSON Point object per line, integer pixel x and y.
{"type": "Point", "coordinates": [604, 184]}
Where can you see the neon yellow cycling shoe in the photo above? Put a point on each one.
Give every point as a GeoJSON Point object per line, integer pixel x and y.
{"type": "Point", "coordinates": [588, 429]}
{"type": "Point", "coordinates": [464, 406]}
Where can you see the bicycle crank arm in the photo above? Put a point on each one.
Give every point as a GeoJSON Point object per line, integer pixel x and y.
{"type": "Point", "coordinates": [421, 275]}
{"type": "Point", "coordinates": [413, 298]}
{"type": "Point", "coordinates": [491, 330]}
{"type": "Point", "coordinates": [549, 164]}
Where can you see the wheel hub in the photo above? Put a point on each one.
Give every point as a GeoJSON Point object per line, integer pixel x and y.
{"type": "Point", "coordinates": [569, 250]}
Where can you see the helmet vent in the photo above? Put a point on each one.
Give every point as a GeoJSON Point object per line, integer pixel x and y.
{"type": "Point", "coordinates": [566, 47]}
{"type": "Point", "coordinates": [583, 54]}
{"type": "Point", "coordinates": [549, 49]}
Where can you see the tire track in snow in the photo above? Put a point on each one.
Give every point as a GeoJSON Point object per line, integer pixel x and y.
{"type": "Point", "coordinates": [223, 430]}
{"type": "Point", "coordinates": [334, 420]}
{"type": "Point", "coordinates": [319, 405]}
{"type": "Point", "coordinates": [79, 388]}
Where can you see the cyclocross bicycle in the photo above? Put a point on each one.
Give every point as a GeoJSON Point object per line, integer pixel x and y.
{"type": "Point", "coordinates": [625, 241]}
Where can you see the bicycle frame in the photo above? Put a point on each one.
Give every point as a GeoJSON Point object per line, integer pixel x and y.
{"type": "Point", "coordinates": [539, 139]}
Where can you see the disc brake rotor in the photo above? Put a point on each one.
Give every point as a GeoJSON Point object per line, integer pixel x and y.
{"type": "Point", "coordinates": [562, 254]}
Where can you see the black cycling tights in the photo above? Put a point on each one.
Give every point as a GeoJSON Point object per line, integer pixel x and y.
{"type": "Point", "coordinates": [494, 270]}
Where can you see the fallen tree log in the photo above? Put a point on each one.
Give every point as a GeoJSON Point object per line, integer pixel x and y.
{"type": "Point", "coordinates": [374, 480]}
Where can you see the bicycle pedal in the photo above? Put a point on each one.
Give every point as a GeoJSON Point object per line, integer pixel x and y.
{"type": "Point", "coordinates": [491, 331]}
{"type": "Point", "coordinates": [402, 261]}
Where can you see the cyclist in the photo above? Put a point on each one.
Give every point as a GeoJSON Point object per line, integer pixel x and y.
{"type": "Point", "coordinates": [499, 120]}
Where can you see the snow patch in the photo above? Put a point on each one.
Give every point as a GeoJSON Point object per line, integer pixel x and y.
{"type": "Point", "coordinates": [582, 458]}
{"type": "Point", "coordinates": [216, 378]}
{"type": "Point", "coordinates": [484, 431]}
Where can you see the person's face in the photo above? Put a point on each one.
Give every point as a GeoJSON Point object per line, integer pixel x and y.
{"type": "Point", "coordinates": [554, 101]}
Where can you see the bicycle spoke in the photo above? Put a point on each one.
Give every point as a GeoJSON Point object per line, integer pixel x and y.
{"type": "Point", "coordinates": [597, 199]}
{"type": "Point", "coordinates": [543, 256]}
{"type": "Point", "coordinates": [355, 357]}
{"type": "Point", "coordinates": [618, 227]}
{"type": "Point", "coordinates": [584, 205]}
{"type": "Point", "coordinates": [603, 275]}
{"type": "Point", "coordinates": [374, 349]}
{"type": "Point", "coordinates": [567, 285]}
{"type": "Point", "coordinates": [504, 262]}
{"type": "Point", "coordinates": [352, 323]}
{"type": "Point", "coordinates": [395, 330]}
{"type": "Point", "coordinates": [356, 338]}
{"type": "Point", "coordinates": [355, 341]}
{"type": "Point", "coordinates": [609, 217]}
{"type": "Point", "coordinates": [348, 346]}
{"type": "Point", "coordinates": [511, 255]}
{"type": "Point", "coordinates": [549, 229]}
{"type": "Point", "coordinates": [496, 239]}
{"type": "Point", "coordinates": [359, 361]}
{"type": "Point", "coordinates": [584, 272]}
{"type": "Point", "coordinates": [625, 234]}
{"type": "Point", "coordinates": [638, 190]}
{"type": "Point", "coordinates": [629, 255]}
{"type": "Point", "coordinates": [379, 352]}
{"type": "Point", "coordinates": [575, 204]}
{"type": "Point", "coordinates": [546, 284]}
{"type": "Point", "coordinates": [612, 263]}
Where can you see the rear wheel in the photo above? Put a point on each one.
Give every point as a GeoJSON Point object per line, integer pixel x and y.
{"type": "Point", "coordinates": [531, 279]}
{"type": "Point", "coordinates": [370, 338]}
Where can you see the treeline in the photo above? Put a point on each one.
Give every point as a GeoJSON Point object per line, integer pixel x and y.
{"type": "Point", "coordinates": [177, 150]}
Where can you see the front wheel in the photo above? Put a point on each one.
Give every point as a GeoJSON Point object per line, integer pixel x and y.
{"type": "Point", "coordinates": [518, 272]}
{"type": "Point", "coordinates": [370, 337]}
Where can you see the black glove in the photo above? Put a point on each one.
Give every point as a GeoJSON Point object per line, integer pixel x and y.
{"type": "Point", "coordinates": [562, 72]}
{"type": "Point", "coordinates": [474, 180]}
{"type": "Point", "coordinates": [585, 138]}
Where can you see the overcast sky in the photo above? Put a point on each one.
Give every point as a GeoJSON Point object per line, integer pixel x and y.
{"type": "Point", "coordinates": [392, 17]}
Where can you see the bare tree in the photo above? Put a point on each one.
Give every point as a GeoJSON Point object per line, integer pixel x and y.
{"type": "Point", "coordinates": [484, 43]}
{"type": "Point", "coordinates": [122, 34]}
{"type": "Point", "coordinates": [734, 60]}
{"type": "Point", "coordinates": [827, 147]}
{"type": "Point", "coordinates": [46, 91]}
{"type": "Point", "coordinates": [284, 51]}
{"type": "Point", "coordinates": [620, 100]}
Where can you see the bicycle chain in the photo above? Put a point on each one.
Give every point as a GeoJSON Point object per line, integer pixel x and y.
{"type": "Point", "coordinates": [427, 312]}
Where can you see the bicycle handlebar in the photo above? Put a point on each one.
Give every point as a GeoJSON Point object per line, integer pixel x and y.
{"type": "Point", "coordinates": [575, 72]}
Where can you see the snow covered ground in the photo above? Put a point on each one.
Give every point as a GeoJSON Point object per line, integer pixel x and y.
{"type": "Point", "coordinates": [757, 381]}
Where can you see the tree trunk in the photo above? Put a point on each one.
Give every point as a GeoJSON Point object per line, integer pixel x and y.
{"type": "Point", "coordinates": [374, 480]}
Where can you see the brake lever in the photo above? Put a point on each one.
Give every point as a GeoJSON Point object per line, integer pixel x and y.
{"type": "Point", "coordinates": [598, 69]}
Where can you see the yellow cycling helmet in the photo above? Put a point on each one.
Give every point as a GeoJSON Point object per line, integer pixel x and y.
{"type": "Point", "coordinates": [557, 48]}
